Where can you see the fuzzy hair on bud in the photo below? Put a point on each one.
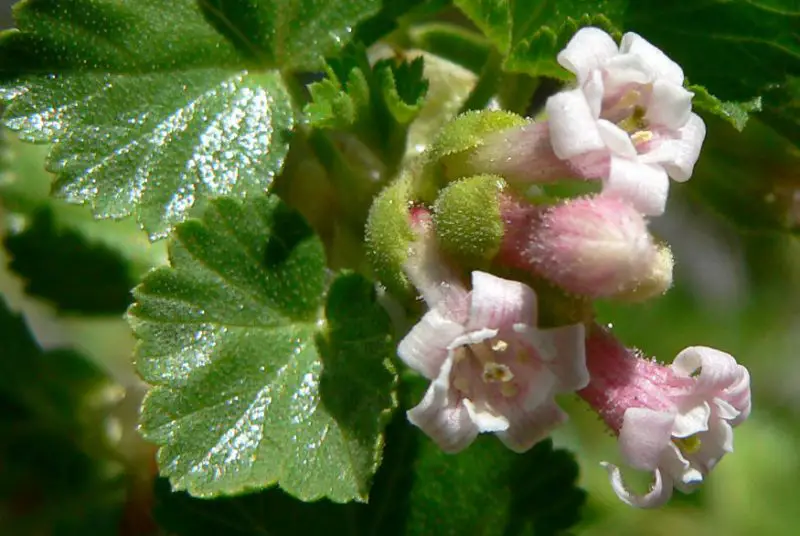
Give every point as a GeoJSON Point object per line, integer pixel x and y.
{"type": "Point", "coordinates": [595, 246]}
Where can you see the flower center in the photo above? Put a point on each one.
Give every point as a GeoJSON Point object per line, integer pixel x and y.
{"type": "Point", "coordinates": [484, 360]}
{"type": "Point", "coordinates": [688, 445]}
{"type": "Point", "coordinates": [633, 117]}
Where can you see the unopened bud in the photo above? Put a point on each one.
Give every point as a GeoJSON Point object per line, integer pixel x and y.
{"type": "Point", "coordinates": [390, 234]}
{"type": "Point", "coordinates": [595, 246]}
{"type": "Point", "coordinates": [467, 218]}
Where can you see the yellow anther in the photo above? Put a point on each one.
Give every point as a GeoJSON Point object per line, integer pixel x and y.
{"type": "Point", "coordinates": [641, 136]}
{"type": "Point", "coordinates": [500, 346]}
{"type": "Point", "coordinates": [495, 372]}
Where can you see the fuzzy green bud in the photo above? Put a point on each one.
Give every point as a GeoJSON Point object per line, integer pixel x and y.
{"type": "Point", "coordinates": [468, 220]}
{"type": "Point", "coordinates": [466, 133]}
{"type": "Point", "coordinates": [389, 236]}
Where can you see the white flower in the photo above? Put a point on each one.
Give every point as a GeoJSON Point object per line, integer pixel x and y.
{"type": "Point", "coordinates": [491, 368]}
{"type": "Point", "coordinates": [629, 121]}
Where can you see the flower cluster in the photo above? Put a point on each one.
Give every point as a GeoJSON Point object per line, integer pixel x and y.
{"type": "Point", "coordinates": [478, 253]}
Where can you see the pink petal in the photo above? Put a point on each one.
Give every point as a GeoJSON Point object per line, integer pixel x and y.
{"type": "Point", "coordinates": [442, 417]}
{"type": "Point", "coordinates": [643, 186]}
{"type": "Point", "coordinates": [655, 59]}
{"type": "Point", "coordinates": [616, 139]}
{"type": "Point", "coordinates": [658, 495]}
{"type": "Point", "coordinates": [526, 427]}
{"type": "Point", "coordinates": [472, 337]}
{"type": "Point", "coordinates": [714, 445]}
{"type": "Point", "coordinates": [588, 49]}
{"type": "Point", "coordinates": [692, 421]}
{"type": "Point", "coordinates": [670, 105]}
{"type": "Point", "coordinates": [644, 436]}
{"type": "Point", "coordinates": [573, 128]}
{"type": "Point", "coordinates": [424, 349]}
{"type": "Point", "coordinates": [498, 303]}
{"type": "Point", "coordinates": [563, 349]}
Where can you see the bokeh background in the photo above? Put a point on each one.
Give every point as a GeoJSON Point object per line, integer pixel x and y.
{"type": "Point", "coordinates": [737, 288]}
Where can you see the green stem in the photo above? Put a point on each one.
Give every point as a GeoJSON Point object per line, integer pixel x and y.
{"type": "Point", "coordinates": [487, 85]}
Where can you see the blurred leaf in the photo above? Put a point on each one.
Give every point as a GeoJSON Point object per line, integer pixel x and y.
{"type": "Point", "coordinates": [55, 476]}
{"type": "Point", "coordinates": [60, 266]}
{"type": "Point", "coordinates": [735, 48]}
{"type": "Point", "coordinates": [243, 397]}
{"type": "Point", "coordinates": [489, 490]}
{"type": "Point", "coordinates": [750, 177]}
{"type": "Point", "coordinates": [530, 36]}
{"type": "Point", "coordinates": [782, 109]}
{"type": "Point", "coordinates": [152, 110]}
{"type": "Point", "coordinates": [735, 113]}
{"type": "Point", "coordinates": [396, 13]}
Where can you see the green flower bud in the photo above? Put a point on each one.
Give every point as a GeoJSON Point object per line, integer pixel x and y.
{"type": "Point", "coordinates": [467, 218]}
{"type": "Point", "coordinates": [389, 236]}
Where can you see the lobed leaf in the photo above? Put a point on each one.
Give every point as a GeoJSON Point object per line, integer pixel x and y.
{"type": "Point", "coordinates": [254, 383]}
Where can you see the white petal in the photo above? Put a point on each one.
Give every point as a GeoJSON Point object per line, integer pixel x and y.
{"type": "Point", "coordinates": [445, 421]}
{"type": "Point", "coordinates": [529, 427]}
{"type": "Point", "coordinates": [644, 436]}
{"type": "Point", "coordinates": [573, 128]}
{"type": "Point", "coordinates": [424, 349]}
{"type": "Point", "coordinates": [717, 370]}
{"type": "Point", "coordinates": [588, 49]}
{"type": "Point", "coordinates": [485, 420]}
{"type": "Point", "coordinates": [687, 149]}
{"type": "Point", "coordinates": [644, 186]}
{"type": "Point", "coordinates": [563, 349]}
{"type": "Point", "coordinates": [658, 495]}
{"type": "Point", "coordinates": [724, 410]}
{"type": "Point", "coordinates": [653, 57]}
{"type": "Point", "coordinates": [472, 337]}
{"type": "Point", "coordinates": [623, 73]}
{"type": "Point", "coordinates": [500, 303]}
{"type": "Point", "coordinates": [616, 139]}
{"type": "Point", "coordinates": [693, 421]}
{"type": "Point", "coordinates": [594, 90]}
{"type": "Point", "coordinates": [670, 105]}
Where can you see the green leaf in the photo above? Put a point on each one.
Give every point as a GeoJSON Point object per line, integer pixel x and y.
{"type": "Point", "coordinates": [289, 33]}
{"type": "Point", "coordinates": [62, 267]}
{"type": "Point", "coordinates": [735, 48]}
{"type": "Point", "coordinates": [375, 99]}
{"type": "Point", "coordinates": [57, 460]}
{"type": "Point", "coordinates": [736, 113]}
{"type": "Point", "coordinates": [782, 109]}
{"type": "Point", "coordinates": [486, 490]}
{"type": "Point", "coordinates": [253, 381]}
{"type": "Point", "coordinates": [153, 109]}
{"type": "Point", "coordinates": [530, 36]}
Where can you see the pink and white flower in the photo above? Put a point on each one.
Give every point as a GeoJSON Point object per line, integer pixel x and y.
{"type": "Point", "coordinates": [491, 368]}
{"type": "Point", "coordinates": [596, 246]}
{"type": "Point", "coordinates": [675, 421]}
{"type": "Point", "coordinates": [629, 121]}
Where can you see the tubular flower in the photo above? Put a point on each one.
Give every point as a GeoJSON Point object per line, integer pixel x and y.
{"type": "Point", "coordinates": [629, 121]}
{"type": "Point", "coordinates": [491, 368]}
{"type": "Point", "coordinates": [595, 246]}
{"type": "Point", "coordinates": [675, 421]}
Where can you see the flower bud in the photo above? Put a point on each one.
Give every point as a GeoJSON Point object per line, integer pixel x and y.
{"type": "Point", "coordinates": [390, 235]}
{"type": "Point", "coordinates": [467, 218]}
{"type": "Point", "coordinates": [595, 246]}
